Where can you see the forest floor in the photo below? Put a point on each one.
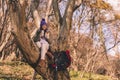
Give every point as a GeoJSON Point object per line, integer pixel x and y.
{"type": "Point", "coordinates": [21, 71]}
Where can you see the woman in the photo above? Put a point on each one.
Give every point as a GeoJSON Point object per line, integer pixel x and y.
{"type": "Point", "coordinates": [43, 41]}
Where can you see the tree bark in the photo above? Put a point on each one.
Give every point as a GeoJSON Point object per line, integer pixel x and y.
{"type": "Point", "coordinates": [26, 44]}
{"type": "Point", "coordinates": [6, 39]}
{"type": "Point", "coordinates": [48, 10]}
{"type": "Point", "coordinates": [64, 23]}
{"type": "Point", "coordinates": [23, 39]}
{"type": "Point", "coordinates": [33, 7]}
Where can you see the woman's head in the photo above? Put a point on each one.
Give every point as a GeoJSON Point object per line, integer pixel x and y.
{"type": "Point", "coordinates": [43, 24]}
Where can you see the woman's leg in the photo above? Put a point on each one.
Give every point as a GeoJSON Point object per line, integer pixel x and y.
{"type": "Point", "coordinates": [38, 44]}
{"type": "Point", "coordinates": [44, 49]}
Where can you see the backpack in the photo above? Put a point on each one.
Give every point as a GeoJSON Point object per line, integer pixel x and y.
{"type": "Point", "coordinates": [62, 60]}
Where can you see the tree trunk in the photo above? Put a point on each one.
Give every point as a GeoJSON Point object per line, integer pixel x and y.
{"type": "Point", "coordinates": [64, 23]}
{"type": "Point", "coordinates": [26, 44]}
{"type": "Point", "coordinates": [23, 39]}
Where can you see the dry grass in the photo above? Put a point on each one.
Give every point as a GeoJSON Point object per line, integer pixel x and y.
{"type": "Point", "coordinates": [22, 71]}
{"type": "Point", "coordinates": [15, 70]}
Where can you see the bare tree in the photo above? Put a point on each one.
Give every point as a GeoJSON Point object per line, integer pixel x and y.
{"type": "Point", "coordinates": [26, 44]}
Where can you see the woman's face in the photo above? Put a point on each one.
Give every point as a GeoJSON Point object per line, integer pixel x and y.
{"type": "Point", "coordinates": [44, 27]}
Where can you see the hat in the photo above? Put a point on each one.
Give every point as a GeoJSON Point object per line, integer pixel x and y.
{"type": "Point", "coordinates": [43, 22]}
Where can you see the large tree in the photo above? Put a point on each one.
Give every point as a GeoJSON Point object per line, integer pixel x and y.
{"type": "Point", "coordinates": [23, 37]}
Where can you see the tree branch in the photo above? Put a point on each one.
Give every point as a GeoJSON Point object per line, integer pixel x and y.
{"type": "Point", "coordinates": [3, 25]}
{"type": "Point", "coordinates": [6, 40]}
{"type": "Point", "coordinates": [48, 10]}
{"type": "Point", "coordinates": [33, 8]}
{"type": "Point", "coordinates": [35, 14]}
{"type": "Point", "coordinates": [68, 13]}
{"type": "Point", "coordinates": [57, 12]}
{"type": "Point", "coordinates": [77, 4]}
{"type": "Point", "coordinates": [11, 42]}
{"type": "Point", "coordinates": [114, 45]}
{"type": "Point", "coordinates": [21, 35]}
